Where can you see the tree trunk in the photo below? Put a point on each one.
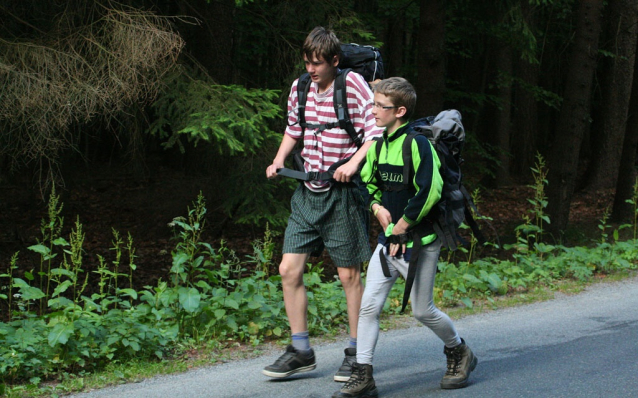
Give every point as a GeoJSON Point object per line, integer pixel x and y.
{"type": "Point", "coordinates": [525, 110]}
{"type": "Point", "coordinates": [574, 114]}
{"type": "Point", "coordinates": [503, 115]}
{"type": "Point", "coordinates": [622, 211]}
{"type": "Point", "coordinates": [617, 90]}
{"type": "Point", "coordinates": [393, 61]}
{"type": "Point", "coordinates": [211, 42]}
{"type": "Point", "coordinates": [431, 58]}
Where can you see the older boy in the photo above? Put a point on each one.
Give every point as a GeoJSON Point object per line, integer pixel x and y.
{"type": "Point", "coordinates": [324, 213]}
{"type": "Point", "coordinates": [401, 212]}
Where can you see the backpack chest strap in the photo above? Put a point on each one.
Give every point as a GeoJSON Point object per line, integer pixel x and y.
{"type": "Point", "coordinates": [319, 127]}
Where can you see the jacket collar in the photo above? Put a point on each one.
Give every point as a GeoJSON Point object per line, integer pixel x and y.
{"type": "Point", "coordinates": [397, 133]}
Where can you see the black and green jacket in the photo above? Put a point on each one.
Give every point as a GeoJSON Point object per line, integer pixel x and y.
{"type": "Point", "coordinates": [424, 191]}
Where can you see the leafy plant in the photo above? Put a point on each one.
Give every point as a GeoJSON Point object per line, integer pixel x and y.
{"type": "Point", "coordinates": [634, 202]}
{"type": "Point", "coordinates": [234, 118]}
{"type": "Point", "coordinates": [212, 295]}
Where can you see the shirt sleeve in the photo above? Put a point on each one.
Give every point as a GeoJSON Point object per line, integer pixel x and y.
{"type": "Point", "coordinates": [293, 129]}
{"type": "Point", "coordinates": [360, 100]}
{"type": "Point", "coordinates": [427, 180]}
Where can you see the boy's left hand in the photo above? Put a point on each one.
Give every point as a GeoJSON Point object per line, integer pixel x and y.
{"type": "Point", "coordinates": [399, 228]}
{"type": "Point", "coordinates": [394, 249]}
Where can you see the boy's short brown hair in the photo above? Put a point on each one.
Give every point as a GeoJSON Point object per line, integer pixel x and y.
{"type": "Point", "coordinates": [400, 92]}
{"type": "Point", "coordinates": [323, 43]}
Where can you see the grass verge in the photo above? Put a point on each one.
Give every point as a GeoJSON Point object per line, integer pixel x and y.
{"type": "Point", "coordinates": [215, 353]}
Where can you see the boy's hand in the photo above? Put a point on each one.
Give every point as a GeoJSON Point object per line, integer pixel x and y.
{"type": "Point", "coordinates": [384, 217]}
{"type": "Point", "coordinates": [394, 249]}
{"type": "Point", "coordinates": [345, 172]}
{"type": "Point", "coordinates": [400, 228]}
{"type": "Point", "coordinates": [271, 171]}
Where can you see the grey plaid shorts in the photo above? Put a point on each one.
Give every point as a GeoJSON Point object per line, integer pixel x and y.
{"type": "Point", "coordinates": [335, 219]}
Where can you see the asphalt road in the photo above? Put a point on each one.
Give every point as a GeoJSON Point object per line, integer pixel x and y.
{"type": "Point", "coordinates": [583, 345]}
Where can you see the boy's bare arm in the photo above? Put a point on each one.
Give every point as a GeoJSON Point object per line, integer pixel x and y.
{"type": "Point", "coordinates": [287, 145]}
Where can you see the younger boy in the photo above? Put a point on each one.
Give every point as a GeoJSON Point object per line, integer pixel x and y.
{"type": "Point", "coordinates": [324, 213]}
{"type": "Point", "coordinates": [403, 214]}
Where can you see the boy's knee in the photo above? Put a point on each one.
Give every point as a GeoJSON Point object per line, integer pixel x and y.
{"type": "Point", "coordinates": [290, 273]}
{"type": "Point", "coordinates": [350, 276]}
{"type": "Point", "coordinates": [425, 315]}
{"type": "Point", "coordinates": [369, 308]}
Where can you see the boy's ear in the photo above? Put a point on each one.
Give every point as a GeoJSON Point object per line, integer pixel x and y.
{"type": "Point", "coordinates": [401, 112]}
{"type": "Point", "coordinates": [335, 61]}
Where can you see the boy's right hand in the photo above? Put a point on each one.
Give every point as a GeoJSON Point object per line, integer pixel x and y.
{"type": "Point", "coordinates": [271, 171]}
{"type": "Point", "coordinates": [384, 217]}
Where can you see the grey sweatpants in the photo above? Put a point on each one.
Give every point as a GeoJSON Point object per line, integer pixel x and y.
{"type": "Point", "coordinates": [378, 287]}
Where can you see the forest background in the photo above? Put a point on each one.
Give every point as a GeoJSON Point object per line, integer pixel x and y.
{"type": "Point", "coordinates": [102, 98]}
{"type": "Point", "coordinates": [128, 110]}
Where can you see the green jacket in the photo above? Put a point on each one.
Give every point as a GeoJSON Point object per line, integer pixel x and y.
{"type": "Point", "coordinates": [424, 192]}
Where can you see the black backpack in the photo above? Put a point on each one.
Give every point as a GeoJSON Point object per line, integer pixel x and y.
{"type": "Point", "coordinates": [365, 60]}
{"type": "Point", "coordinates": [362, 59]}
{"type": "Point", "coordinates": [445, 132]}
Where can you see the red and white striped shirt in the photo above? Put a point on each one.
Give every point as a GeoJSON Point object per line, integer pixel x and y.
{"type": "Point", "coordinates": [322, 149]}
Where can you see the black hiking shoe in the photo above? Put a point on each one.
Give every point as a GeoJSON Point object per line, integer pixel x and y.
{"type": "Point", "coordinates": [292, 361]}
{"type": "Point", "coordinates": [360, 384]}
{"type": "Point", "coordinates": [345, 371]}
{"type": "Point", "coordinates": [460, 363]}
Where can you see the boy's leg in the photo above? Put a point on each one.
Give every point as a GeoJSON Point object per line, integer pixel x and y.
{"type": "Point", "coordinates": [342, 230]}
{"type": "Point", "coordinates": [377, 288]}
{"type": "Point", "coordinates": [361, 383]}
{"type": "Point", "coordinates": [300, 239]}
{"type": "Point", "coordinates": [422, 297]}
{"type": "Point", "coordinates": [291, 270]}
{"type": "Point", "coordinates": [299, 357]}
{"type": "Point", "coordinates": [350, 278]}
{"type": "Point", "coordinates": [460, 359]}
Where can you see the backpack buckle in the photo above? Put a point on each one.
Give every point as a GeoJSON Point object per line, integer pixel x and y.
{"type": "Point", "coordinates": [312, 175]}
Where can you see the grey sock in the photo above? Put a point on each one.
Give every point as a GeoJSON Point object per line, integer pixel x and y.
{"type": "Point", "coordinates": [301, 342]}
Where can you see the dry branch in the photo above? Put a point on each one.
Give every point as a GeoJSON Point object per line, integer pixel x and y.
{"type": "Point", "coordinates": [96, 69]}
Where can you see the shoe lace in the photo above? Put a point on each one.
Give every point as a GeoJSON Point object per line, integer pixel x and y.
{"type": "Point", "coordinates": [453, 361]}
{"type": "Point", "coordinates": [287, 356]}
{"type": "Point", "coordinates": [356, 378]}
{"type": "Point", "coordinates": [348, 361]}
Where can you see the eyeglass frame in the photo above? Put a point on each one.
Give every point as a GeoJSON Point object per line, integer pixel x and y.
{"type": "Point", "coordinates": [375, 105]}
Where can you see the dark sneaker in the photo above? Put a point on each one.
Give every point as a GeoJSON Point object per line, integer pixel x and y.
{"type": "Point", "coordinates": [460, 363]}
{"type": "Point", "coordinates": [360, 384]}
{"type": "Point", "coordinates": [292, 361]}
{"type": "Point", "coordinates": [345, 371]}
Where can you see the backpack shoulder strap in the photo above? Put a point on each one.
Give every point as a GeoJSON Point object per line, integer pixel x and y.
{"type": "Point", "coordinates": [303, 85]}
{"type": "Point", "coordinates": [378, 143]}
{"type": "Point", "coordinates": [340, 101]}
{"type": "Point", "coordinates": [406, 153]}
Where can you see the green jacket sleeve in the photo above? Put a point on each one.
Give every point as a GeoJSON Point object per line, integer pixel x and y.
{"type": "Point", "coordinates": [368, 175]}
{"type": "Point", "coordinates": [427, 180]}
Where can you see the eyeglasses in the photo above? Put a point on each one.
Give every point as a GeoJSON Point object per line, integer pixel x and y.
{"type": "Point", "coordinates": [375, 105]}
